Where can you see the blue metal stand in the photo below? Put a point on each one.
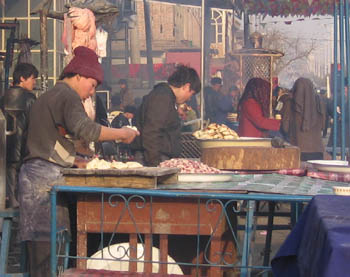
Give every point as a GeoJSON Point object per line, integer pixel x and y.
{"type": "Point", "coordinates": [8, 215]}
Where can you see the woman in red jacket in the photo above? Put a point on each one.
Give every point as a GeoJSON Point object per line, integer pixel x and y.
{"type": "Point", "coordinates": [253, 110]}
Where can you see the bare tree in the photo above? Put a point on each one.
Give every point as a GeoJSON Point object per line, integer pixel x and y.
{"type": "Point", "coordinates": [295, 49]}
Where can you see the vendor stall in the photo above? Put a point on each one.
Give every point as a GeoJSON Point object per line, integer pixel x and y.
{"type": "Point", "coordinates": [202, 209]}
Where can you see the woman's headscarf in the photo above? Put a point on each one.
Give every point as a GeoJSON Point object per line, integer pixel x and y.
{"type": "Point", "coordinates": [307, 103]}
{"type": "Point", "coordinates": [259, 90]}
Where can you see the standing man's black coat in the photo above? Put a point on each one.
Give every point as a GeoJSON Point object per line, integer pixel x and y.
{"type": "Point", "coordinates": [159, 125]}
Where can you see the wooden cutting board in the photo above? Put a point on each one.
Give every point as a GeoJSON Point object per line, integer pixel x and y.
{"type": "Point", "coordinates": [143, 177]}
{"type": "Point", "coordinates": [252, 158]}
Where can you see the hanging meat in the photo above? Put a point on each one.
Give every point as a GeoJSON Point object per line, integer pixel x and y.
{"type": "Point", "coordinates": [81, 25]}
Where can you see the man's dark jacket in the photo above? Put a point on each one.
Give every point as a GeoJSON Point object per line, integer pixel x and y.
{"type": "Point", "coordinates": [159, 125]}
{"type": "Point", "coordinates": [19, 106]}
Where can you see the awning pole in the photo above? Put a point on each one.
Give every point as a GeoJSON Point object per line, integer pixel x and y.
{"type": "Point", "coordinates": [202, 65]}
{"type": "Point", "coordinates": [335, 83]}
{"type": "Point", "coordinates": [342, 66]}
{"type": "Point", "coordinates": [347, 102]}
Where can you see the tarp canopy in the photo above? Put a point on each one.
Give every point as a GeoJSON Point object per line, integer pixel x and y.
{"type": "Point", "coordinates": [287, 7]}
{"type": "Point", "coordinates": [268, 7]}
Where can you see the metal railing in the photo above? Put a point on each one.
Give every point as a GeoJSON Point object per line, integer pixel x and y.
{"type": "Point", "coordinates": [222, 208]}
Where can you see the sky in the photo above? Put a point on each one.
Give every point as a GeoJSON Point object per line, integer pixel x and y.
{"type": "Point", "coordinates": [310, 27]}
{"type": "Point", "coordinates": [317, 29]}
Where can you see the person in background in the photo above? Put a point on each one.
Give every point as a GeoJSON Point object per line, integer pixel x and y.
{"type": "Point", "coordinates": [235, 95]}
{"type": "Point", "coordinates": [16, 105]}
{"type": "Point", "coordinates": [306, 121]}
{"type": "Point", "coordinates": [138, 101]}
{"type": "Point", "coordinates": [254, 110]}
{"type": "Point", "coordinates": [127, 118]}
{"type": "Point", "coordinates": [187, 114]}
{"type": "Point", "coordinates": [282, 101]}
{"type": "Point", "coordinates": [115, 103]}
{"type": "Point", "coordinates": [338, 118]}
{"type": "Point", "coordinates": [193, 104]}
{"type": "Point", "coordinates": [158, 120]}
{"type": "Point", "coordinates": [211, 94]}
{"type": "Point", "coordinates": [126, 96]}
{"type": "Point", "coordinates": [223, 106]}
{"type": "Point", "coordinates": [56, 119]}
{"type": "Point", "coordinates": [328, 104]}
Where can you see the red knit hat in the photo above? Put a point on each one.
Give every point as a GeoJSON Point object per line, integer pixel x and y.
{"type": "Point", "coordinates": [85, 63]}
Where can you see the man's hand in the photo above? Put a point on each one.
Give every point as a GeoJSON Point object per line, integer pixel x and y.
{"type": "Point", "coordinates": [80, 162]}
{"type": "Point", "coordinates": [128, 134]}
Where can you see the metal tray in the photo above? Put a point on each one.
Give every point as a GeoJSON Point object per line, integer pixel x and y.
{"type": "Point", "coordinates": [335, 166]}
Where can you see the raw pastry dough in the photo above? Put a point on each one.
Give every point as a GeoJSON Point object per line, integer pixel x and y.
{"type": "Point", "coordinates": [98, 164]}
{"type": "Point", "coordinates": [118, 165]}
{"type": "Point", "coordinates": [103, 164]}
{"type": "Point", "coordinates": [133, 164]}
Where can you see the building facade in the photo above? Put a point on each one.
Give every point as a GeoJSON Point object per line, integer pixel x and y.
{"type": "Point", "coordinates": [29, 27]}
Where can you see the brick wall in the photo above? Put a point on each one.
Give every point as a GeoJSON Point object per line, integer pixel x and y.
{"type": "Point", "coordinates": [172, 26]}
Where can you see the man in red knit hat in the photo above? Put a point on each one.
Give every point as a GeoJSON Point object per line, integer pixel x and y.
{"type": "Point", "coordinates": [56, 120]}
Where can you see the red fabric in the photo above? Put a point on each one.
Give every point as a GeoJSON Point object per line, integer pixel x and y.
{"type": "Point", "coordinates": [295, 172]}
{"type": "Point", "coordinates": [252, 123]}
{"type": "Point", "coordinates": [331, 176]}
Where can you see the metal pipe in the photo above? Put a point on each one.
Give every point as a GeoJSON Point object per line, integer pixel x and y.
{"type": "Point", "coordinates": [347, 50]}
{"type": "Point", "coordinates": [204, 195]}
{"type": "Point", "coordinates": [53, 261]}
{"type": "Point", "coordinates": [335, 76]}
{"type": "Point", "coordinates": [342, 96]}
{"type": "Point", "coordinates": [2, 161]}
{"type": "Point", "coordinates": [202, 64]}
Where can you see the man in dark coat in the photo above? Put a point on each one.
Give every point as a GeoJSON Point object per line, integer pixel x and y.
{"type": "Point", "coordinates": [17, 102]}
{"type": "Point", "coordinates": [158, 120]}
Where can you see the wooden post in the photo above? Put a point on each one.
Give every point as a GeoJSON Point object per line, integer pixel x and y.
{"type": "Point", "coordinates": [43, 51]}
{"type": "Point", "coordinates": [43, 10]}
{"type": "Point", "coordinates": [134, 42]}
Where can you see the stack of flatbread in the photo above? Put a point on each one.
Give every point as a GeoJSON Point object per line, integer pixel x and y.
{"type": "Point", "coordinates": [216, 131]}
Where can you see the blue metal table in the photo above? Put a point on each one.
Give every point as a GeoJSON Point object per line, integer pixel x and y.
{"type": "Point", "coordinates": [223, 198]}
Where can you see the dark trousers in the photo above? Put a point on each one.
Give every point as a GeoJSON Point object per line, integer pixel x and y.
{"type": "Point", "coordinates": [11, 184]}
{"type": "Point", "coordinates": [38, 258]}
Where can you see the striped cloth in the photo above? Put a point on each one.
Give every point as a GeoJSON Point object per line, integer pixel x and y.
{"type": "Point", "coordinates": [331, 176]}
